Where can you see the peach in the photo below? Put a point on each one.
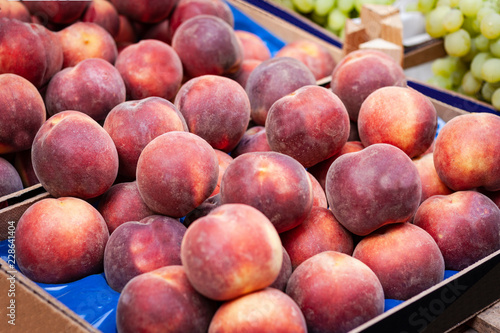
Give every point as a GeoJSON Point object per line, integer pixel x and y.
{"type": "Point", "coordinates": [216, 108]}
{"type": "Point", "coordinates": [74, 156]}
{"type": "Point", "coordinates": [126, 34]}
{"type": "Point", "coordinates": [254, 140]}
{"type": "Point", "coordinates": [261, 311]}
{"type": "Point", "coordinates": [93, 87]}
{"type": "Point", "coordinates": [224, 161]}
{"type": "Point", "coordinates": [60, 240]}
{"type": "Point", "coordinates": [35, 53]}
{"type": "Point", "coordinates": [405, 258]}
{"type": "Point", "coordinates": [122, 203]}
{"type": "Point", "coordinates": [271, 80]}
{"type": "Point", "coordinates": [148, 11]}
{"type": "Point", "coordinates": [207, 44]}
{"type": "Point", "coordinates": [165, 301]}
{"type": "Point", "coordinates": [458, 161]}
{"type": "Point", "coordinates": [362, 72]}
{"type": "Point", "coordinates": [431, 183]}
{"type": "Point", "coordinates": [186, 9]}
{"type": "Point", "coordinates": [103, 13]}
{"type": "Point", "coordinates": [274, 183]}
{"type": "Point", "coordinates": [14, 10]}
{"type": "Point", "coordinates": [247, 66]}
{"type": "Point", "coordinates": [399, 116]}
{"type": "Point", "coordinates": [24, 166]}
{"type": "Point", "coordinates": [10, 180]}
{"type": "Point", "coordinates": [320, 170]}
{"type": "Point", "coordinates": [161, 69]}
{"type": "Point", "coordinates": [254, 47]}
{"type": "Point", "coordinates": [311, 124]}
{"type": "Point", "coordinates": [237, 247]}
{"type": "Point", "coordinates": [285, 272]}
{"type": "Point", "coordinates": [319, 195]}
{"type": "Point", "coordinates": [318, 233]}
{"type": "Point", "coordinates": [335, 292]}
{"type": "Point", "coordinates": [159, 31]}
{"type": "Point", "coordinates": [22, 111]}
{"type": "Point", "coordinates": [314, 55]}
{"type": "Point", "coordinates": [133, 124]}
{"type": "Point", "coordinates": [202, 210]}
{"type": "Point", "coordinates": [84, 40]}
{"type": "Point", "coordinates": [59, 12]}
{"type": "Point", "coordinates": [138, 247]}
{"type": "Point", "coordinates": [376, 186]}
{"type": "Point", "coordinates": [464, 224]}
{"type": "Point", "coordinates": [176, 172]}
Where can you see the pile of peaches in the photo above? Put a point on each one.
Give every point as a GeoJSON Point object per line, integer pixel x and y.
{"type": "Point", "coordinates": [218, 187]}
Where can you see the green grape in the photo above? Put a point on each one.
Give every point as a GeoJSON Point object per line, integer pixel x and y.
{"type": "Point", "coordinates": [434, 22]}
{"type": "Point", "coordinates": [488, 89]}
{"type": "Point", "coordinates": [495, 47]}
{"type": "Point", "coordinates": [323, 7]}
{"type": "Point", "coordinates": [304, 6]}
{"type": "Point", "coordinates": [472, 26]}
{"type": "Point", "coordinates": [470, 84]}
{"type": "Point", "coordinates": [495, 99]}
{"type": "Point", "coordinates": [477, 64]}
{"type": "Point", "coordinates": [454, 3]}
{"type": "Point", "coordinates": [319, 19]}
{"type": "Point", "coordinates": [453, 20]}
{"type": "Point", "coordinates": [483, 12]}
{"type": "Point", "coordinates": [472, 52]}
{"type": "Point", "coordinates": [490, 25]}
{"type": "Point", "coordinates": [440, 81]}
{"type": "Point", "coordinates": [345, 5]}
{"type": "Point", "coordinates": [446, 3]}
{"type": "Point", "coordinates": [412, 7]}
{"type": "Point", "coordinates": [490, 71]}
{"type": "Point", "coordinates": [458, 71]}
{"type": "Point", "coordinates": [336, 20]}
{"type": "Point", "coordinates": [426, 6]}
{"type": "Point", "coordinates": [482, 43]}
{"type": "Point", "coordinates": [286, 3]}
{"type": "Point", "coordinates": [443, 67]}
{"type": "Point", "coordinates": [470, 7]}
{"type": "Point", "coordinates": [458, 43]}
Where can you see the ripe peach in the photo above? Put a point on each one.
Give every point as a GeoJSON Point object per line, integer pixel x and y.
{"type": "Point", "coordinates": [148, 11]}
{"type": "Point", "coordinates": [176, 172]}
{"type": "Point", "coordinates": [137, 247]}
{"type": "Point", "coordinates": [405, 258]}
{"type": "Point", "coordinates": [35, 53]}
{"type": "Point", "coordinates": [237, 247]}
{"type": "Point", "coordinates": [83, 40]}
{"type": "Point", "coordinates": [318, 233]}
{"type": "Point", "coordinates": [431, 183]}
{"type": "Point", "coordinates": [161, 69]}
{"type": "Point", "coordinates": [59, 12]}
{"type": "Point", "coordinates": [159, 31]}
{"type": "Point", "coordinates": [319, 195]}
{"type": "Point", "coordinates": [126, 33]}
{"type": "Point", "coordinates": [72, 229]}
{"type": "Point", "coordinates": [247, 66]}
{"type": "Point", "coordinates": [186, 9]}
{"type": "Point", "coordinates": [311, 124]}
{"type": "Point", "coordinates": [267, 310]}
{"type": "Point", "coordinates": [285, 272]}
{"type": "Point", "coordinates": [254, 47]}
{"type": "Point", "coordinates": [202, 210]}
{"type": "Point", "coordinates": [133, 124]}
{"type": "Point", "coordinates": [103, 13]}
{"type": "Point", "coordinates": [14, 10]}
{"type": "Point", "coordinates": [122, 203]}
{"type": "Point", "coordinates": [271, 80]}
{"type": "Point", "coordinates": [314, 55]}
{"type": "Point", "coordinates": [254, 140]}
{"type": "Point", "coordinates": [376, 186]}
{"type": "Point", "coordinates": [22, 111]}
{"type": "Point", "coordinates": [10, 181]}
{"type": "Point", "coordinates": [335, 292]}
{"type": "Point", "coordinates": [224, 161]}
{"type": "Point", "coordinates": [163, 300]}
{"type": "Point", "coordinates": [215, 108]}
{"type": "Point", "coordinates": [399, 116]}
{"type": "Point", "coordinates": [274, 183]}
{"type": "Point", "coordinates": [207, 44]}
{"type": "Point", "coordinates": [464, 224]}
{"type": "Point", "coordinates": [458, 161]}
{"type": "Point", "coordinates": [362, 72]}
{"type": "Point", "coordinates": [74, 156]}
{"type": "Point", "coordinates": [93, 87]}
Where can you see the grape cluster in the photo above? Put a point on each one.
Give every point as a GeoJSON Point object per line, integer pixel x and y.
{"type": "Point", "coordinates": [471, 33]}
{"type": "Point", "coordinates": [330, 14]}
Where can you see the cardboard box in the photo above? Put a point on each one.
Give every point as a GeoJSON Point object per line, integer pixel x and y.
{"type": "Point", "coordinates": [438, 309]}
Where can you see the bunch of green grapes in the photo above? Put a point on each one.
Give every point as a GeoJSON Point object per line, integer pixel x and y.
{"type": "Point", "coordinates": [471, 33]}
{"type": "Point", "coordinates": [330, 14]}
